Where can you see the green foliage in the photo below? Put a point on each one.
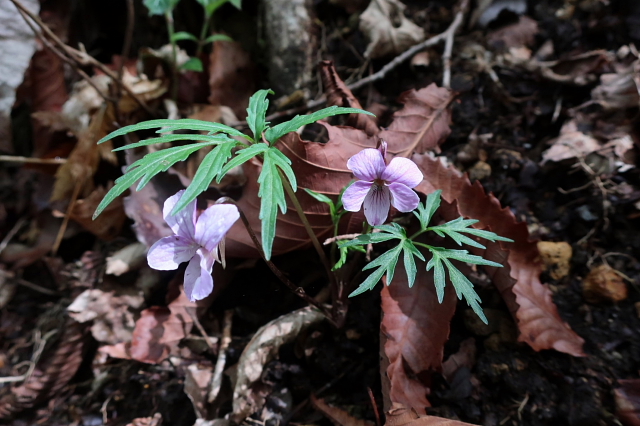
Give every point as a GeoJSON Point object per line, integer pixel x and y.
{"type": "Point", "coordinates": [160, 7]}
{"type": "Point", "coordinates": [440, 257]}
{"type": "Point", "coordinates": [257, 111]}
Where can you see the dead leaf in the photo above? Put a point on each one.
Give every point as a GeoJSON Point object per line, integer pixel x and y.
{"type": "Point", "coordinates": [196, 385]}
{"type": "Point", "coordinates": [520, 34]}
{"type": "Point", "coordinates": [579, 70]}
{"type": "Point", "coordinates": [571, 143]}
{"type": "Point", "coordinates": [619, 90]}
{"type": "Point", "coordinates": [126, 259]}
{"type": "Point", "coordinates": [465, 357]}
{"type": "Point", "coordinates": [415, 328]}
{"type": "Point", "coordinates": [112, 316]}
{"type": "Point", "coordinates": [338, 416]}
{"type": "Point", "coordinates": [488, 10]}
{"type": "Point", "coordinates": [518, 281]}
{"type": "Point", "coordinates": [232, 77]}
{"type": "Point", "coordinates": [388, 30]}
{"type": "Point", "coordinates": [17, 44]}
{"type": "Point", "coordinates": [627, 398]}
{"type": "Point", "coordinates": [263, 347]}
{"type": "Point", "coordinates": [156, 420]}
{"type": "Point", "coordinates": [107, 226]}
{"type": "Point", "coordinates": [402, 416]}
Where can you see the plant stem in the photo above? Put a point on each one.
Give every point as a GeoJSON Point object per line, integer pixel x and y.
{"type": "Point", "coordinates": [203, 33]}
{"type": "Point", "coordinates": [174, 56]}
{"type": "Point", "coordinates": [307, 227]}
{"type": "Point", "coordinates": [281, 276]}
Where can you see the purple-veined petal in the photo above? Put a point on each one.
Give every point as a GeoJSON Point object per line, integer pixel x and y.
{"type": "Point", "coordinates": [198, 282]}
{"type": "Point", "coordinates": [383, 149]}
{"type": "Point", "coordinates": [403, 198]}
{"type": "Point", "coordinates": [184, 222]}
{"type": "Point", "coordinates": [353, 196]}
{"type": "Point", "coordinates": [169, 252]}
{"type": "Point", "coordinates": [377, 204]}
{"type": "Point", "coordinates": [368, 164]}
{"type": "Point", "coordinates": [402, 170]}
{"type": "Point", "coordinates": [214, 223]}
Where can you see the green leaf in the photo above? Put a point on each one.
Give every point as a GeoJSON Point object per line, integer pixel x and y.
{"type": "Point", "coordinates": [236, 3]}
{"type": "Point", "coordinates": [217, 37]}
{"type": "Point", "coordinates": [210, 167]}
{"type": "Point", "coordinates": [271, 195]}
{"type": "Point", "coordinates": [192, 64]}
{"type": "Point", "coordinates": [146, 168]}
{"type": "Point", "coordinates": [456, 227]}
{"type": "Point", "coordinates": [183, 35]}
{"type": "Point", "coordinates": [242, 157]}
{"type": "Point", "coordinates": [276, 132]}
{"type": "Point", "coordinates": [386, 263]}
{"type": "Point", "coordinates": [464, 288]}
{"type": "Point", "coordinates": [257, 111]}
{"type": "Point", "coordinates": [160, 7]}
{"type": "Point", "coordinates": [363, 240]}
{"type": "Point", "coordinates": [425, 211]}
{"type": "Point", "coordinates": [166, 126]}
{"type": "Point", "coordinates": [284, 164]}
{"type": "Point", "coordinates": [344, 251]}
{"type": "Point", "coordinates": [409, 251]}
{"type": "Point", "coordinates": [218, 139]}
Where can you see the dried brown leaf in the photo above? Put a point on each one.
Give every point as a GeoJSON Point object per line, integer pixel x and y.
{"type": "Point", "coordinates": [107, 226]}
{"type": "Point", "coordinates": [627, 398]}
{"type": "Point", "coordinates": [415, 327]}
{"type": "Point", "coordinates": [571, 143]}
{"type": "Point", "coordinates": [402, 416]}
{"type": "Point", "coordinates": [388, 30]}
{"type": "Point", "coordinates": [519, 34]}
{"type": "Point", "coordinates": [519, 280]}
{"type": "Point", "coordinates": [338, 416]}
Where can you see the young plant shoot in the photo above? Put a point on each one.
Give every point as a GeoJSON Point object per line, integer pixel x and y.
{"type": "Point", "coordinates": [380, 186]}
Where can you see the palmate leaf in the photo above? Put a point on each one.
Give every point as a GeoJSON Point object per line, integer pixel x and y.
{"type": "Point", "coordinates": [425, 211]}
{"type": "Point", "coordinates": [146, 168]}
{"type": "Point", "coordinates": [272, 197]}
{"type": "Point", "coordinates": [276, 132]}
{"type": "Point", "coordinates": [385, 263]}
{"type": "Point", "coordinates": [457, 227]}
{"type": "Point", "coordinates": [256, 113]}
{"type": "Point", "coordinates": [166, 126]}
{"type": "Point", "coordinates": [218, 138]}
{"type": "Point", "coordinates": [242, 157]}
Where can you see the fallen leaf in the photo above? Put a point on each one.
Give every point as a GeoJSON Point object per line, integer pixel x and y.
{"type": "Point", "coordinates": [518, 281]}
{"type": "Point", "coordinates": [402, 416]}
{"type": "Point", "coordinates": [465, 357]}
{"type": "Point", "coordinates": [196, 385]}
{"type": "Point", "coordinates": [571, 143]}
{"type": "Point", "coordinates": [388, 30]}
{"type": "Point", "coordinates": [112, 316]}
{"type": "Point", "coordinates": [519, 34]}
{"type": "Point", "coordinates": [488, 10]}
{"type": "Point", "coordinates": [627, 398]}
{"type": "Point", "coordinates": [579, 70]}
{"type": "Point", "coordinates": [338, 416]}
{"type": "Point", "coordinates": [156, 420]}
{"type": "Point", "coordinates": [232, 77]}
{"type": "Point", "coordinates": [107, 226]}
{"type": "Point", "coordinates": [17, 44]}
{"type": "Point", "coordinates": [263, 347]}
{"type": "Point", "coordinates": [415, 328]}
{"type": "Point", "coordinates": [619, 90]}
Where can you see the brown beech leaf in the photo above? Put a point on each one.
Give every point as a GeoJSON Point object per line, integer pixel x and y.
{"type": "Point", "coordinates": [421, 125]}
{"type": "Point", "coordinates": [518, 281]}
{"type": "Point", "coordinates": [415, 328]}
{"type": "Point", "coordinates": [402, 416]}
{"type": "Point", "coordinates": [107, 226]}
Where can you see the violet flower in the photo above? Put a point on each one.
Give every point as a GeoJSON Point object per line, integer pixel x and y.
{"type": "Point", "coordinates": [381, 185]}
{"type": "Point", "coordinates": [196, 240]}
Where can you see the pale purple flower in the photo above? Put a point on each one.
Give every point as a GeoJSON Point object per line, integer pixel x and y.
{"type": "Point", "coordinates": [381, 185]}
{"type": "Point", "coordinates": [196, 240]}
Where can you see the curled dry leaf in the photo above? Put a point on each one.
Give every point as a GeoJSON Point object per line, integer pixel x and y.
{"type": "Point", "coordinates": [415, 328]}
{"type": "Point", "coordinates": [388, 30]}
{"type": "Point", "coordinates": [519, 34]}
{"type": "Point", "coordinates": [196, 385]}
{"type": "Point", "coordinates": [263, 347]}
{"type": "Point", "coordinates": [421, 125]}
{"type": "Point", "coordinates": [402, 416]}
{"type": "Point", "coordinates": [519, 280]}
{"type": "Point", "coordinates": [571, 143]}
{"type": "Point", "coordinates": [338, 416]}
{"type": "Point", "coordinates": [106, 226]}
{"type": "Point", "coordinates": [620, 90]}
{"type": "Point", "coordinates": [579, 70]}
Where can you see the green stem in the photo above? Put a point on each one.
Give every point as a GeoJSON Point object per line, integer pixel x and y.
{"type": "Point", "coordinates": [203, 34]}
{"type": "Point", "coordinates": [174, 55]}
{"type": "Point", "coordinates": [307, 227]}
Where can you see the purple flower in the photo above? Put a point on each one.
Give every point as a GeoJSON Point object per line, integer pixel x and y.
{"type": "Point", "coordinates": [196, 240]}
{"type": "Point", "coordinates": [381, 185]}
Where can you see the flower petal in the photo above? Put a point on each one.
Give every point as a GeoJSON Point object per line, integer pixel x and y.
{"type": "Point", "coordinates": [403, 198]}
{"type": "Point", "coordinates": [214, 223]}
{"type": "Point", "coordinates": [169, 252]}
{"type": "Point", "coordinates": [198, 282]}
{"type": "Point", "coordinates": [402, 170]}
{"type": "Point", "coordinates": [377, 204]}
{"type": "Point", "coordinates": [368, 164]}
{"type": "Point", "coordinates": [184, 222]}
{"type": "Point", "coordinates": [353, 196]}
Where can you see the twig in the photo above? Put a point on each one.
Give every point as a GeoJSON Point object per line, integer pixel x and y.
{"type": "Point", "coordinates": [12, 233]}
{"type": "Point", "coordinates": [128, 37]}
{"type": "Point", "coordinates": [79, 56]}
{"type": "Point", "coordinates": [67, 216]}
{"type": "Point", "coordinates": [216, 381]}
{"type": "Point", "coordinates": [339, 238]}
{"type": "Point", "coordinates": [29, 160]}
{"type": "Point", "coordinates": [201, 329]}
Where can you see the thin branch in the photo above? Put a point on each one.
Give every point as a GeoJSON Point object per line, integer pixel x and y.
{"type": "Point", "coordinates": [30, 160]}
{"type": "Point", "coordinates": [128, 37]}
{"type": "Point", "coordinates": [216, 381]}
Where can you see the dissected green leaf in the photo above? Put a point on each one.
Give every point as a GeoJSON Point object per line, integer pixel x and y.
{"type": "Point", "coordinates": [146, 168]}
{"type": "Point", "coordinates": [456, 227]}
{"type": "Point", "coordinates": [284, 164]}
{"type": "Point", "coordinates": [276, 132]}
{"type": "Point", "coordinates": [242, 157]}
{"type": "Point", "coordinates": [409, 251]}
{"type": "Point", "coordinates": [257, 111]}
{"type": "Point", "coordinates": [218, 138]}
{"type": "Point", "coordinates": [464, 288]}
{"type": "Point", "coordinates": [271, 195]}
{"type": "Point", "coordinates": [167, 126]}
{"type": "Point", "coordinates": [385, 263]}
{"type": "Point", "coordinates": [209, 169]}
{"type": "Point", "coordinates": [425, 211]}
